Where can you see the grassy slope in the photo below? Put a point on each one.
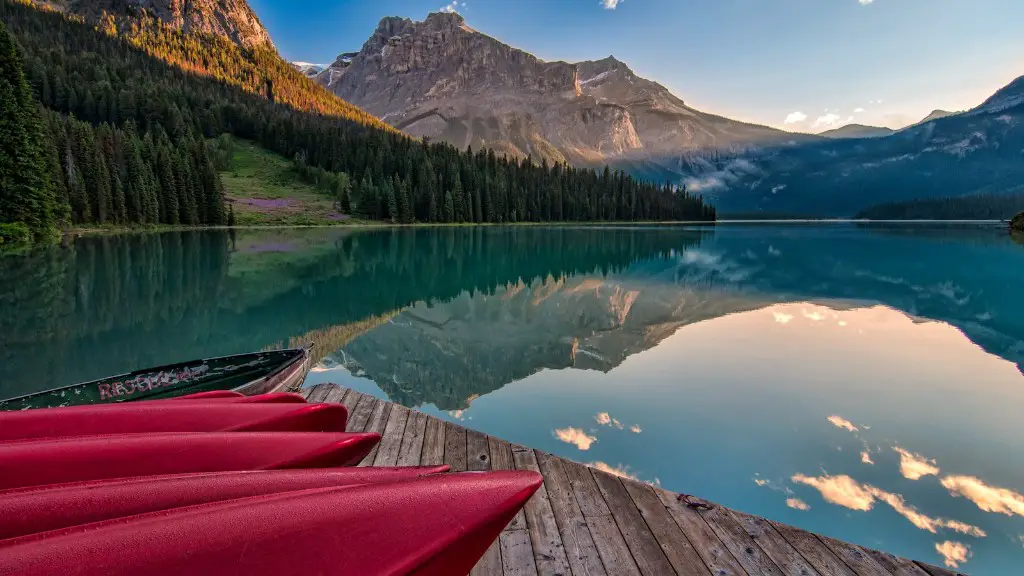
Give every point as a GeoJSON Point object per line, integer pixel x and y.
{"type": "Point", "coordinates": [257, 174]}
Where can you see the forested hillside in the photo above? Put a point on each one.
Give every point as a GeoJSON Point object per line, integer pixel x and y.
{"type": "Point", "coordinates": [129, 103]}
{"type": "Point", "coordinates": [977, 207]}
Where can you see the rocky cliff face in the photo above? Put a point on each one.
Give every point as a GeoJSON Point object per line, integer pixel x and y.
{"type": "Point", "coordinates": [232, 19]}
{"type": "Point", "coordinates": [441, 79]}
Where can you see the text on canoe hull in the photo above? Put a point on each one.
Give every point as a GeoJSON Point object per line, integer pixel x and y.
{"type": "Point", "coordinates": [147, 382]}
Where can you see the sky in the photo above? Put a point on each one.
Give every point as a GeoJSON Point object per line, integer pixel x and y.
{"type": "Point", "coordinates": [800, 65]}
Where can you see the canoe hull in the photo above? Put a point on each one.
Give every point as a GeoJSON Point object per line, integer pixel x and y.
{"type": "Point", "coordinates": [248, 374]}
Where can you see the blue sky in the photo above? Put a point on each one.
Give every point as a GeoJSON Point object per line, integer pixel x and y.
{"type": "Point", "coordinates": [816, 63]}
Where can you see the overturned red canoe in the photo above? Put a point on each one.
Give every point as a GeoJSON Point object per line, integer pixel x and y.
{"type": "Point", "coordinates": [427, 526]}
{"type": "Point", "coordinates": [37, 462]}
{"type": "Point", "coordinates": [43, 508]}
{"type": "Point", "coordinates": [166, 416]}
{"type": "Point", "coordinates": [219, 396]}
{"type": "Point", "coordinates": [211, 395]}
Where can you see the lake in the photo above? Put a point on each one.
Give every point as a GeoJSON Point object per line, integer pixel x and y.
{"type": "Point", "coordinates": [863, 382]}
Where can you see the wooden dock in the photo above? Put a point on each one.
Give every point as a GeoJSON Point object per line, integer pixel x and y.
{"type": "Point", "coordinates": [585, 522]}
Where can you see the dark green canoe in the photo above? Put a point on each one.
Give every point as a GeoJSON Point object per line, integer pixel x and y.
{"type": "Point", "coordinates": [256, 373]}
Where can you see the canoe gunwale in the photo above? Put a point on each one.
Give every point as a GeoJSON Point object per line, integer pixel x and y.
{"type": "Point", "coordinates": [281, 377]}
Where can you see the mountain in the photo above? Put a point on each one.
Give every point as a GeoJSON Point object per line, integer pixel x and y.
{"type": "Point", "coordinates": [980, 151]}
{"type": "Point", "coordinates": [442, 79]}
{"type": "Point", "coordinates": [935, 115]}
{"type": "Point", "coordinates": [310, 70]}
{"type": "Point", "coordinates": [858, 131]}
{"type": "Point", "coordinates": [231, 19]}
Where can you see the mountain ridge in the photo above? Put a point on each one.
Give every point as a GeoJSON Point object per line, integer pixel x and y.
{"type": "Point", "coordinates": [231, 19]}
{"type": "Point", "coordinates": [858, 131]}
{"type": "Point", "coordinates": [441, 79]}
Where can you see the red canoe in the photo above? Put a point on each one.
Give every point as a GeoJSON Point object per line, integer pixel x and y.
{"type": "Point", "coordinates": [432, 525]}
{"type": "Point", "coordinates": [166, 416]}
{"type": "Point", "coordinates": [43, 508]}
{"type": "Point", "coordinates": [37, 462]}
{"type": "Point", "coordinates": [211, 395]}
{"type": "Point", "coordinates": [231, 396]}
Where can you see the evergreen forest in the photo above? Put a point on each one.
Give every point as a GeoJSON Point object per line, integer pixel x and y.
{"type": "Point", "coordinates": [110, 122]}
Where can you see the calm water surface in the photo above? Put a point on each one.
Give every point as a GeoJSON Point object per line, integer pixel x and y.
{"type": "Point", "coordinates": [861, 382]}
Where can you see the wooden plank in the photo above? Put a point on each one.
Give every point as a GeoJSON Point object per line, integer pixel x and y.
{"type": "Point", "coordinates": [778, 549]}
{"type": "Point", "coordinates": [490, 562]}
{"type": "Point", "coordinates": [580, 551]}
{"type": "Point", "coordinates": [517, 554]}
{"type": "Point", "coordinates": [814, 551]}
{"type": "Point", "coordinates": [854, 557]}
{"type": "Point", "coordinates": [455, 447]}
{"type": "Point", "coordinates": [588, 495]}
{"type": "Point", "coordinates": [391, 438]}
{"type": "Point", "coordinates": [501, 459]}
{"type": "Point", "coordinates": [378, 420]}
{"type": "Point", "coordinates": [433, 443]}
{"type": "Point", "coordinates": [316, 394]}
{"type": "Point", "coordinates": [361, 415]}
{"type": "Point", "coordinates": [647, 553]}
{"type": "Point", "coordinates": [548, 551]}
{"type": "Point", "coordinates": [478, 451]}
{"type": "Point", "coordinates": [704, 540]}
{"type": "Point", "coordinates": [936, 570]}
{"type": "Point", "coordinates": [611, 546]}
{"type": "Point", "coordinates": [673, 542]}
{"type": "Point", "coordinates": [898, 566]}
{"type": "Point", "coordinates": [351, 400]}
{"type": "Point", "coordinates": [335, 394]}
{"type": "Point", "coordinates": [501, 454]}
{"type": "Point", "coordinates": [743, 548]}
{"type": "Point", "coordinates": [412, 439]}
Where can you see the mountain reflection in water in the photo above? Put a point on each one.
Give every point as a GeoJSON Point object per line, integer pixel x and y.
{"type": "Point", "coordinates": [861, 382]}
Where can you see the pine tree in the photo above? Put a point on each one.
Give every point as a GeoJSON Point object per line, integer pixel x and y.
{"type": "Point", "coordinates": [389, 191]}
{"type": "Point", "coordinates": [26, 194]}
{"type": "Point", "coordinates": [404, 202]}
{"type": "Point", "coordinates": [448, 214]}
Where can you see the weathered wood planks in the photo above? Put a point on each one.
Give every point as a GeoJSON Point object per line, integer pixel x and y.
{"type": "Point", "coordinates": [584, 522]}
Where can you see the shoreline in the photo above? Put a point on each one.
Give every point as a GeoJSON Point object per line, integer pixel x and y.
{"type": "Point", "coordinates": [110, 230]}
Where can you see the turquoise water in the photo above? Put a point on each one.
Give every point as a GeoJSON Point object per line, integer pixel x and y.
{"type": "Point", "coordinates": [861, 382]}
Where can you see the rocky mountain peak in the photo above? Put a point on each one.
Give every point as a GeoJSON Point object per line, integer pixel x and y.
{"type": "Point", "coordinates": [441, 79]}
{"type": "Point", "coordinates": [232, 19]}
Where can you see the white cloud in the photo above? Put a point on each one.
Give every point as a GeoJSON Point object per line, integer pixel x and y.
{"type": "Point", "coordinates": [841, 490]}
{"type": "Point", "coordinates": [795, 117]}
{"type": "Point", "coordinates": [840, 422]}
{"type": "Point", "coordinates": [914, 466]}
{"type": "Point", "coordinates": [865, 2]}
{"type": "Point", "coordinates": [782, 318]}
{"type": "Point", "coordinates": [605, 419]}
{"type": "Point", "coordinates": [846, 492]}
{"type": "Point", "coordinates": [454, 7]}
{"type": "Point", "coordinates": [953, 553]}
{"type": "Point", "coordinates": [635, 429]}
{"type": "Point", "coordinates": [858, 110]}
{"type": "Point", "coordinates": [611, 4]}
{"type": "Point", "coordinates": [865, 457]}
{"type": "Point", "coordinates": [831, 119]}
{"type": "Point", "coordinates": [621, 471]}
{"type": "Point", "coordinates": [576, 437]}
{"type": "Point", "coordinates": [797, 504]}
{"type": "Point", "coordinates": [988, 498]}
{"type": "Point", "coordinates": [813, 316]}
